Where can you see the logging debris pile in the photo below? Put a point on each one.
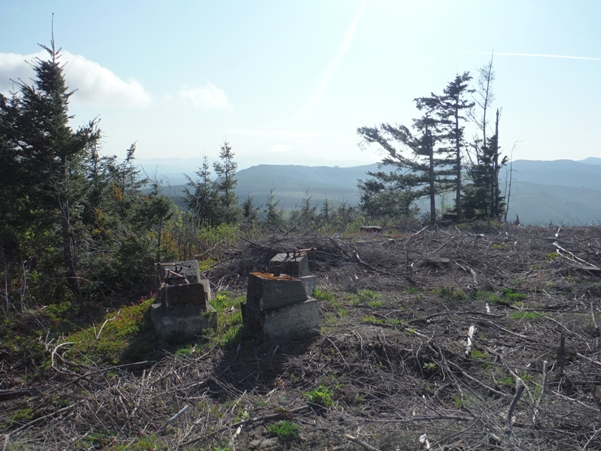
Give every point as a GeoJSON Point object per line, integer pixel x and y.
{"type": "Point", "coordinates": [456, 339]}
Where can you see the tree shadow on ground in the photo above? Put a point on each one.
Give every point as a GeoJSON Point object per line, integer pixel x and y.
{"type": "Point", "coordinates": [251, 364]}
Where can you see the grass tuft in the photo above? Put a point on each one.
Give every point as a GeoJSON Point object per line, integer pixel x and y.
{"type": "Point", "coordinates": [284, 430]}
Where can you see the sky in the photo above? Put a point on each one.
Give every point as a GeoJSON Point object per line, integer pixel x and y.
{"type": "Point", "coordinates": [289, 82]}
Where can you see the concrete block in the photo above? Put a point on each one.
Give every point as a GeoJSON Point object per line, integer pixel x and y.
{"type": "Point", "coordinates": [295, 321]}
{"type": "Point", "coordinates": [187, 268]}
{"type": "Point", "coordinates": [291, 264]}
{"type": "Point", "coordinates": [267, 291]}
{"type": "Point", "coordinates": [194, 294]}
{"type": "Point", "coordinates": [183, 323]}
{"type": "Point", "coordinates": [309, 283]}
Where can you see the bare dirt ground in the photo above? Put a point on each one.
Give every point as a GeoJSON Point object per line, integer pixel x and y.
{"type": "Point", "coordinates": [469, 338]}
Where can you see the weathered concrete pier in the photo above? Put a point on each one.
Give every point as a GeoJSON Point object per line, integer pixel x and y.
{"type": "Point", "coordinates": [184, 311]}
{"type": "Point", "coordinates": [279, 303]}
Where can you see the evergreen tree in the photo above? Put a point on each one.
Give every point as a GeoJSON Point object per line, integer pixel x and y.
{"type": "Point", "coordinates": [201, 197]}
{"type": "Point", "coordinates": [273, 215]}
{"type": "Point", "coordinates": [13, 189]}
{"type": "Point", "coordinates": [306, 215]}
{"type": "Point", "coordinates": [156, 210]}
{"type": "Point", "coordinates": [482, 196]}
{"type": "Point", "coordinates": [250, 212]}
{"type": "Point", "coordinates": [51, 156]}
{"type": "Point", "coordinates": [451, 109]}
{"type": "Point", "coordinates": [226, 185]}
{"type": "Point", "coordinates": [120, 243]}
{"type": "Point", "coordinates": [424, 172]}
{"type": "Point", "coordinates": [325, 214]}
{"type": "Point", "coordinates": [214, 202]}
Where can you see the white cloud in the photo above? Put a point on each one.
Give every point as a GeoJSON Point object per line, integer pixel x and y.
{"type": "Point", "coordinates": [13, 67]}
{"type": "Point", "coordinates": [96, 85]}
{"type": "Point", "coordinates": [207, 97]}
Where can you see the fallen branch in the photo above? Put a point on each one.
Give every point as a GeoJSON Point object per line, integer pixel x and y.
{"type": "Point", "coordinates": [542, 393]}
{"type": "Point", "coordinates": [361, 443]}
{"type": "Point", "coordinates": [470, 336]}
{"type": "Point", "coordinates": [515, 334]}
{"type": "Point", "coordinates": [173, 418]}
{"type": "Point", "coordinates": [56, 349]}
{"type": "Point", "coordinates": [5, 395]}
{"type": "Point", "coordinates": [272, 416]}
{"type": "Point", "coordinates": [37, 420]}
{"type": "Point", "coordinates": [97, 336]}
{"type": "Point", "coordinates": [591, 387]}
{"type": "Point", "coordinates": [519, 391]}
{"type": "Point", "coordinates": [576, 261]}
{"type": "Point", "coordinates": [595, 362]}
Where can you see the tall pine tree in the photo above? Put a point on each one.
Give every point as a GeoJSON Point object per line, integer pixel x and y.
{"type": "Point", "coordinates": [51, 156]}
{"type": "Point", "coordinates": [424, 172]}
{"type": "Point", "coordinates": [226, 183]}
{"type": "Point", "coordinates": [451, 110]}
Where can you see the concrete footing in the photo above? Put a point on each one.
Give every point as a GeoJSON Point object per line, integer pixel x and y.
{"type": "Point", "coordinates": [183, 324]}
{"type": "Point", "coordinates": [279, 303]}
{"type": "Point", "coordinates": [184, 311]}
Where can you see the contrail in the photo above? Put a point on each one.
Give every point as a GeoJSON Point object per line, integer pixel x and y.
{"type": "Point", "coordinates": [539, 55]}
{"type": "Point", "coordinates": [337, 59]}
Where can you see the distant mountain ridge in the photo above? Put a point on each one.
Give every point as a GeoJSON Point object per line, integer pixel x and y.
{"type": "Point", "coordinates": [558, 191]}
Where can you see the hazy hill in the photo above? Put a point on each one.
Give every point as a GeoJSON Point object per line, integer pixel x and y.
{"type": "Point", "coordinates": [560, 191]}
{"type": "Point", "coordinates": [591, 160]}
{"type": "Point", "coordinates": [560, 172]}
{"type": "Point", "coordinates": [291, 183]}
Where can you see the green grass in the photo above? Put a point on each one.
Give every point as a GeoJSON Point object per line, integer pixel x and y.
{"type": "Point", "coordinates": [231, 329]}
{"type": "Point", "coordinates": [284, 430]}
{"type": "Point", "coordinates": [127, 334]}
{"type": "Point", "coordinates": [506, 381]}
{"type": "Point", "coordinates": [372, 319]}
{"type": "Point", "coordinates": [508, 293]}
{"type": "Point", "coordinates": [329, 298]}
{"type": "Point", "coordinates": [507, 297]}
{"type": "Point", "coordinates": [323, 295]}
{"type": "Point", "coordinates": [528, 316]}
{"type": "Point", "coordinates": [487, 296]}
{"type": "Point", "coordinates": [480, 356]}
{"type": "Point", "coordinates": [457, 402]}
{"type": "Point", "coordinates": [20, 416]}
{"type": "Point", "coordinates": [396, 322]}
{"type": "Point", "coordinates": [322, 396]}
{"type": "Point", "coordinates": [368, 297]}
{"type": "Point", "coordinates": [124, 335]}
{"type": "Point", "coordinates": [430, 367]}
